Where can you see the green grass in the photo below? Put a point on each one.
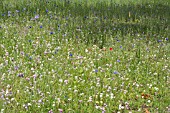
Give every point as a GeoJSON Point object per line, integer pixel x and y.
{"type": "Point", "coordinates": [84, 56]}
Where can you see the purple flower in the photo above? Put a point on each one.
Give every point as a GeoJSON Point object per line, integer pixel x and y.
{"type": "Point", "coordinates": [103, 111]}
{"type": "Point", "coordinates": [9, 13]}
{"type": "Point", "coordinates": [166, 39]}
{"type": "Point", "coordinates": [30, 58]}
{"type": "Point", "coordinates": [159, 40]}
{"type": "Point", "coordinates": [46, 10]}
{"type": "Point", "coordinates": [51, 33]}
{"type": "Point", "coordinates": [117, 40]}
{"type": "Point", "coordinates": [118, 60]}
{"type": "Point", "coordinates": [34, 76]}
{"type": "Point", "coordinates": [41, 26]}
{"type": "Point", "coordinates": [24, 9]}
{"type": "Point", "coordinates": [17, 11]}
{"type": "Point", "coordinates": [51, 111]}
{"type": "Point", "coordinates": [36, 16]}
{"type": "Point", "coordinates": [16, 67]}
{"type": "Point", "coordinates": [70, 54]}
{"type": "Point", "coordinates": [40, 101]}
{"type": "Point", "coordinates": [96, 70]}
{"type": "Point", "coordinates": [20, 75]}
{"type": "Point", "coordinates": [60, 110]}
{"type": "Point", "coordinates": [80, 101]}
{"type": "Point", "coordinates": [115, 72]}
{"type": "Point", "coordinates": [56, 51]}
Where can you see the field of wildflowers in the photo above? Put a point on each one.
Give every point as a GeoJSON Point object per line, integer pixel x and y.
{"type": "Point", "coordinates": [84, 56]}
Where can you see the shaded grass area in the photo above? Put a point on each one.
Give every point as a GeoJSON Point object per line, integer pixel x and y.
{"type": "Point", "coordinates": [107, 18]}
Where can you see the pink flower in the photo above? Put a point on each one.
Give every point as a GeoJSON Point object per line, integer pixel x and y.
{"type": "Point", "coordinates": [61, 110]}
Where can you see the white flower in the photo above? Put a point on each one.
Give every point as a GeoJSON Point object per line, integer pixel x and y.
{"type": "Point", "coordinates": [61, 80]}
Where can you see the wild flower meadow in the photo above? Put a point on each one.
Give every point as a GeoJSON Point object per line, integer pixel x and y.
{"type": "Point", "coordinates": [84, 56]}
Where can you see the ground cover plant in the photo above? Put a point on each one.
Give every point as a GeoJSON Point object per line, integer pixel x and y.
{"type": "Point", "coordinates": [84, 56]}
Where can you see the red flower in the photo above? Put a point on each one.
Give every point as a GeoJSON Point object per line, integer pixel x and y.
{"type": "Point", "coordinates": [111, 49]}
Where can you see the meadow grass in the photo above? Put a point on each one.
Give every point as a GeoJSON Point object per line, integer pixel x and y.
{"type": "Point", "coordinates": [84, 56]}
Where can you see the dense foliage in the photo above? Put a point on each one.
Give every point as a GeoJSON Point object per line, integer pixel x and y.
{"type": "Point", "coordinates": [84, 56]}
